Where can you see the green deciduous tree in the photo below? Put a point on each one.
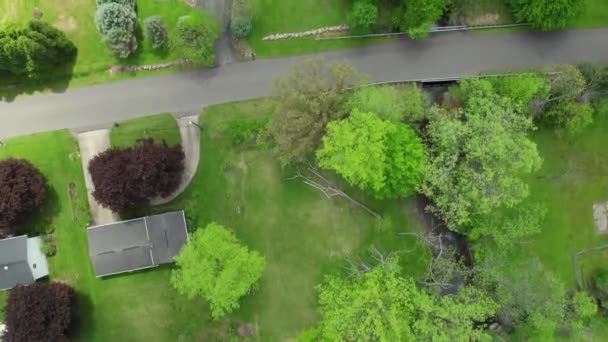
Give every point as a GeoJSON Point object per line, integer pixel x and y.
{"type": "Point", "coordinates": [215, 266]}
{"type": "Point", "coordinates": [477, 155]}
{"type": "Point", "coordinates": [570, 117]}
{"type": "Point", "coordinates": [382, 305]}
{"type": "Point", "coordinates": [196, 36]}
{"type": "Point", "coordinates": [507, 227]}
{"type": "Point", "coordinates": [567, 83]}
{"type": "Point", "coordinates": [522, 89]}
{"type": "Point", "coordinates": [547, 14]}
{"type": "Point", "coordinates": [531, 299]}
{"type": "Point", "coordinates": [363, 15]}
{"type": "Point", "coordinates": [313, 94]}
{"type": "Point", "coordinates": [405, 104]}
{"type": "Point", "coordinates": [34, 48]}
{"type": "Point", "coordinates": [583, 308]}
{"type": "Point", "coordinates": [379, 156]}
{"type": "Point", "coordinates": [420, 14]}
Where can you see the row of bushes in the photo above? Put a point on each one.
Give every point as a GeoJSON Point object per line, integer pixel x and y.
{"type": "Point", "coordinates": [194, 36]}
{"type": "Point", "coordinates": [416, 16]}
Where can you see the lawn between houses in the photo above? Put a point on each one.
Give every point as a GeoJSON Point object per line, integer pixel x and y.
{"type": "Point", "coordinates": [77, 19]}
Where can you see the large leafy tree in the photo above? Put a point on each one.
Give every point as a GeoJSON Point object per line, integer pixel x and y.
{"type": "Point", "coordinates": [477, 155]}
{"type": "Point", "coordinates": [404, 104]}
{"type": "Point", "coordinates": [40, 312]}
{"type": "Point", "coordinates": [313, 94]}
{"type": "Point", "coordinates": [380, 156]}
{"type": "Point", "coordinates": [215, 266]}
{"type": "Point", "coordinates": [34, 48]}
{"type": "Point", "coordinates": [531, 299]}
{"type": "Point", "coordinates": [420, 14]}
{"type": "Point", "coordinates": [524, 90]}
{"type": "Point", "coordinates": [382, 305]}
{"type": "Point", "coordinates": [128, 177]}
{"type": "Point", "coordinates": [363, 15]}
{"type": "Point", "coordinates": [22, 190]}
{"type": "Point", "coordinates": [547, 14]}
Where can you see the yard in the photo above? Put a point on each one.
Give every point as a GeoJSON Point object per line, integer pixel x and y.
{"type": "Point", "coordinates": [272, 16]}
{"type": "Point", "coordinates": [77, 19]}
{"type": "Point", "coordinates": [302, 234]}
{"type": "Point", "coordinates": [161, 127]}
{"type": "Point", "coordinates": [572, 179]}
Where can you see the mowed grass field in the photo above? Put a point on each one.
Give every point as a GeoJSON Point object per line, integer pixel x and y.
{"type": "Point", "coordinates": [275, 16]}
{"type": "Point", "coordinates": [161, 127]}
{"type": "Point", "coordinates": [77, 19]}
{"type": "Point", "coordinates": [572, 179]}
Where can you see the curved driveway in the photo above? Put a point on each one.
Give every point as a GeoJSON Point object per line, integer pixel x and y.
{"type": "Point", "coordinates": [442, 55]}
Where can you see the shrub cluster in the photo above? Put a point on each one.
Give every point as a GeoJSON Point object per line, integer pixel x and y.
{"type": "Point", "coordinates": [156, 32]}
{"type": "Point", "coordinates": [34, 48]}
{"type": "Point", "coordinates": [196, 34]}
{"type": "Point", "coordinates": [22, 190]}
{"type": "Point", "coordinates": [116, 20]}
{"type": "Point", "coordinates": [40, 312]}
{"type": "Point", "coordinates": [241, 18]}
{"type": "Point", "coordinates": [246, 130]}
{"type": "Point", "coordinates": [128, 177]}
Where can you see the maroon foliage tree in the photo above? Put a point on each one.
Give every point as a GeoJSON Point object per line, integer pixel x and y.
{"type": "Point", "coordinates": [128, 177]}
{"type": "Point", "coordinates": [40, 312]}
{"type": "Point", "coordinates": [22, 190]}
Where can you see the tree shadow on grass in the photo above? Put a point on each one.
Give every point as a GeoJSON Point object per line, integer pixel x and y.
{"type": "Point", "coordinates": [56, 80]}
{"type": "Point", "coordinates": [83, 316]}
{"type": "Point", "coordinates": [42, 221]}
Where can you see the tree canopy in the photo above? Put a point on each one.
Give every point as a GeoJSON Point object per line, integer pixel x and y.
{"type": "Point", "coordinates": [125, 178]}
{"type": "Point", "coordinates": [40, 312]}
{"type": "Point", "coordinates": [117, 23]}
{"type": "Point", "coordinates": [379, 156]}
{"type": "Point", "coordinates": [522, 89]}
{"type": "Point", "coordinates": [403, 104]}
{"type": "Point", "coordinates": [22, 190]}
{"type": "Point", "coordinates": [215, 266]}
{"type": "Point", "coordinates": [420, 14]}
{"type": "Point", "coordinates": [477, 155]}
{"type": "Point", "coordinates": [362, 16]}
{"type": "Point", "coordinates": [196, 36]}
{"type": "Point", "coordinates": [34, 48]}
{"type": "Point", "coordinates": [382, 305]}
{"type": "Point", "coordinates": [312, 94]}
{"type": "Point", "coordinates": [547, 14]}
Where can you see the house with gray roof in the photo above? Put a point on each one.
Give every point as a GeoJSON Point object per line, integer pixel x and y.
{"type": "Point", "coordinates": [136, 244]}
{"type": "Point", "coordinates": [21, 261]}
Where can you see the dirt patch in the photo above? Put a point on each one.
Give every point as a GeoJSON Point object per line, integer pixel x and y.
{"type": "Point", "coordinates": [600, 217]}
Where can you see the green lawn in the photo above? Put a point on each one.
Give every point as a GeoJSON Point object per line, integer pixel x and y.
{"type": "Point", "coordinates": [77, 19]}
{"type": "Point", "coordinates": [276, 16]}
{"type": "Point", "coordinates": [595, 15]}
{"type": "Point", "coordinates": [161, 127]}
{"type": "Point", "coordinates": [572, 179]}
{"type": "Point", "coordinates": [302, 234]}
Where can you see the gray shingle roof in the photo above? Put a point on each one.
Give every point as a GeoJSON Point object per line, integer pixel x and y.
{"type": "Point", "coordinates": [137, 244]}
{"type": "Point", "coordinates": [14, 267]}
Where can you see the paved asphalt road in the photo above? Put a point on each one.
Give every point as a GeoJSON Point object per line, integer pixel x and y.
{"type": "Point", "coordinates": [442, 55]}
